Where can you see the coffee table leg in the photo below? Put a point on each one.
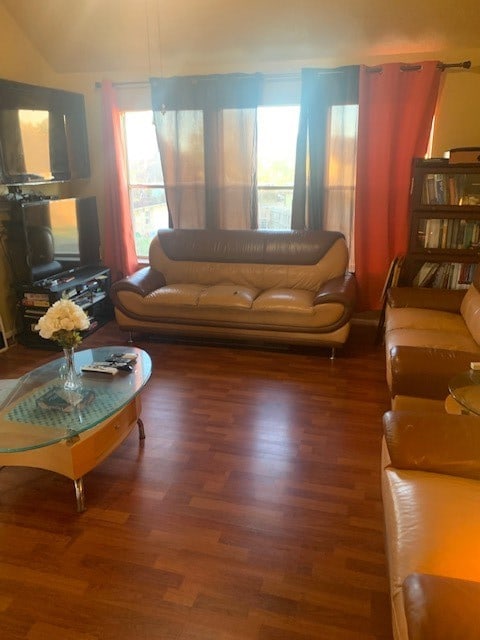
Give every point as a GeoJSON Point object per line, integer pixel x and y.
{"type": "Point", "coordinates": [80, 495]}
{"type": "Point", "coordinates": [141, 430]}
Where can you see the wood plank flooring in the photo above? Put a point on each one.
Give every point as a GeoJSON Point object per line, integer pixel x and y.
{"type": "Point", "coordinates": [253, 511]}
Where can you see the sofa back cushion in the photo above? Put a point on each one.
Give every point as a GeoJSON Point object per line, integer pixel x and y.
{"type": "Point", "coordinates": [260, 259]}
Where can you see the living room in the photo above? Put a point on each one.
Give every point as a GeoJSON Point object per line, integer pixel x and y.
{"type": "Point", "coordinates": [253, 508]}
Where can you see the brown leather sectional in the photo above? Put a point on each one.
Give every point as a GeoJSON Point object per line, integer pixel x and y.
{"type": "Point", "coordinates": [431, 465]}
{"type": "Point", "coordinates": [280, 286]}
{"type": "Point", "coordinates": [430, 336]}
{"type": "Point", "coordinates": [431, 499]}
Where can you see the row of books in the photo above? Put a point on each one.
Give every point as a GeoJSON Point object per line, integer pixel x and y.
{"type": "Point", "coordinates": [83, 299]}
{"type": "Point", "coordinates": [86, 291]}
{"type": "Point", "coordinates": [445, 275]}
{"type": "Point", "coordinates": [448, 233]}
{"type": "Point", "coordinates": [444, 189]}
{"type": "Point", "coordinates": [32, 321]}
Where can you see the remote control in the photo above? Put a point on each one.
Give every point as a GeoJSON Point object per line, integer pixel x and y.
{"type": "Point", "coordinates": [129, 357]}
{"type": "Point", "coordinates": [120, 365]}
{"type": "Point", "coordinates": [100, 368]}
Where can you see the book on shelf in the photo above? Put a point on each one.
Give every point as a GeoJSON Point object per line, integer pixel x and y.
{"type": "Point", "coordinates": [429, 189]}
{"type": "Point", "coordinates": [448, 233]}
{"type": "Point", "coordinates": [452, 190]}
{"type": "Point", "coordinates": [443, 234]}
{"type": "Point", "coordinates": [31, 302]}
{"type": "Point", "coordinates": [436, 189]}
{"type": "Point", "coordinates": [33, 312]}
{"type": "Point", "coordinates": [441, 188]}
{"type": "Point", "coordinates": [440, 276]}
{"type": "Point", "coordinates": [445, 275]}
{"type": "Point", "coordinates": [432, 233]}
{"type": "Point", "coordinates": [70, 293]}
{"type": "Point", "coordinates": [426, 274]}
{"type": "Point", "coordinates": [30, 295]}
{"type": "Point", "coordinates": [393, 276]}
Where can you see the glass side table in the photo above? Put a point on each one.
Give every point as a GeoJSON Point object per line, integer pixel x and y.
{"type": "Point", "coordinates": [465, 390]}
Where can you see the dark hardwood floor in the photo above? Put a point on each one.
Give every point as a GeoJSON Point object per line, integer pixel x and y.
{"type": "Point", "coordinates": [253, 511]}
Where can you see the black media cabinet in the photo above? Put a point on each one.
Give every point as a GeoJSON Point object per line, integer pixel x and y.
{"type": "Point", "coordinates": [87, 286]}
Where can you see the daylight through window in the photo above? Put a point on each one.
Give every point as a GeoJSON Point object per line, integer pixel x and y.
{"type": "Point", "coordinates": [277, 129]}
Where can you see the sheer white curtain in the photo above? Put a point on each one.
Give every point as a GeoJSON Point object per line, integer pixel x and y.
{"type": "Point", "coordinates": [206, 133]}
{"type": "Point", "coordinates": [340, 173]}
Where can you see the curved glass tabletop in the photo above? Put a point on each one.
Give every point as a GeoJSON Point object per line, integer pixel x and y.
{"type": "Point", "coordinates": [465, 388]}
{"type": "Point", "coordinates": [28, 421]}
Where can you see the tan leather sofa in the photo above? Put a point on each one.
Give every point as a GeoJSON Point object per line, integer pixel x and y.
{"type": "Point", "coordinates": [430, 335]}
{"type": "Point", "coordinates": [431, 499]}
{"type": "Point", "coordinates": [290, 286]}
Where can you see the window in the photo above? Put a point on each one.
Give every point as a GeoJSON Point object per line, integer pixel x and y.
{"type": "Point", "coordinates": [145, 179]}
{"type": "Point", "coordinates": [277, 129]}
{"type": "Point", "coordinates": [277, 134]}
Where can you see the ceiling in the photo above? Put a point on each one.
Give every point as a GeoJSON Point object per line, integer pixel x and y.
{"type": "Point", "coordinates": [95, 36]}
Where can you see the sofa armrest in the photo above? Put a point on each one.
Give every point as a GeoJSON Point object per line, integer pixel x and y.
{"type": "Point", "coordinates": [441, 608]}
{"type": "Point", "coordinates": [439, 443]}
{"type": "Point", "coordinates": [424, 298]}
{"type": "Point", "coordinates": [342, 290]}
{"type": "Point", "coordinates": [425, 372]}
{"type": "Point", "coordinates": [142, 282]}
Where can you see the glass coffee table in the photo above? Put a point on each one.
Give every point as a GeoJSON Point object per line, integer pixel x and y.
{"type": "Point", "coordinates": [72, 440]}
{"type": "Point", "coordinates": [465, 389]}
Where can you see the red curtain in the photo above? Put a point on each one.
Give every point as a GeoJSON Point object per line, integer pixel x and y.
{"type": "Point", "coordinates": [118, 239]}
{"type": "Point", "coordinates": [396, 109]}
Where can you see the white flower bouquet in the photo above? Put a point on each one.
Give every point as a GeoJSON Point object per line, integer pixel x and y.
{"type": "Point", "coordinates": [63, 322]}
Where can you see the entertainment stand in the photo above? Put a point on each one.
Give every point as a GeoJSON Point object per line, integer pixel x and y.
{"type": "Point", "coordinates": [87, 286]}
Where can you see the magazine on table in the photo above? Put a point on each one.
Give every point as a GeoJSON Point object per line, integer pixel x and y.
{"type": "Point", "coordinates": [59, 399]}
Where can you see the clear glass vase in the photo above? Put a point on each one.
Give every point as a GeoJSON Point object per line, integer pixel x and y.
{"type": "Point", "coordinates": [71, 379]}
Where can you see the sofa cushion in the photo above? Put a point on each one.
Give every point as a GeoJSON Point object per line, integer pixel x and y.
{"type": "Point", "coordinates": [289, 300]}
{"type": "Point", "coordinates": [176, 294]}
{"type": "Point", "coordinates": [231, 296]}
{"type": "Point", "coordinates": [247, 246]}
{"type": "Point", "coordinates": [427, 513]}
{"type": "Point", "coordinates": [470, 310]}
{"type": "Point", "coordinates": [433, 605]}
{"type": "Point", "coordinates": [287, 272]}
{"type": "Point", "coordinates": [460, 340]}
{"type": "Point", "coordinates": [426, 347]}
{"type": "Point", "coordinates": [153, 308]}
{"type": "Point", "coordinates": [447, 445]}
{"type": "Point", "coordinates": [425, 516]}
{"type": "Point", "coordinates": [411, 318]}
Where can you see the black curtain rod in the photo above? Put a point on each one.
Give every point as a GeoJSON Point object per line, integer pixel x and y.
{"type": "Point", "coordinates": [133, 83]}
{"type": "Point", "coordinates": [466, 64]}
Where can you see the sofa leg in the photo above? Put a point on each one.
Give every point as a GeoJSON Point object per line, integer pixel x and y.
{"type": "Point", "coordinates": [332, 354]}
